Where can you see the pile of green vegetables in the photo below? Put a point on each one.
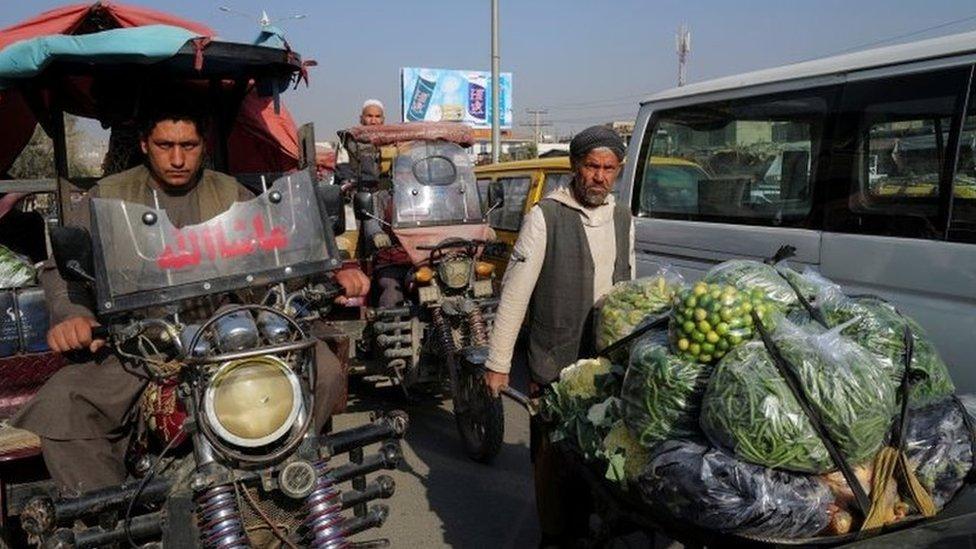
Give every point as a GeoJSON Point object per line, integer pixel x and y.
{"type": "Point", "coordinates": [749, 409]}
{"type": "Point", "coordinates": [709, 382]}
{"type": "Point", "coordinates": [16, 271]}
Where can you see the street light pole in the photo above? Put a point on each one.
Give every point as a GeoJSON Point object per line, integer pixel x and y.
{"type": "Point", "coordinates": [495, 115]}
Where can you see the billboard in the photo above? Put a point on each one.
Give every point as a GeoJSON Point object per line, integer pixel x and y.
{"type": "Point", "coordinates": [445, 95]}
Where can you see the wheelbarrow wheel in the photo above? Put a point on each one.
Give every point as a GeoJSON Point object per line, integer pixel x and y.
{"type": "Point", "coordinates": [479, 416]}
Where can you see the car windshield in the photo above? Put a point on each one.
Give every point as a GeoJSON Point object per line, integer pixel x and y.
{"type": "Point", "coordinates": [269, 238]}
{"type": "Point", "coordinates": [434, 184]}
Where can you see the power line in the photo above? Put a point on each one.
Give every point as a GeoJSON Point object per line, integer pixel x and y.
{"type": "Point", "coordinates": [905, 35]}
{"type": "Point", "coordinates": [537, 124]}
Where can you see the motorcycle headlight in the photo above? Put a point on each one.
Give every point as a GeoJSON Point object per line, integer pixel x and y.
{"type": "Point", "coordinates": [254, 401]}
{"type": "Point", "coordinates": [455, 273]}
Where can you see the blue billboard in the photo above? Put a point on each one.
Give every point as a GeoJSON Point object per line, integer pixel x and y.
{"type": "Point", "coordinates": [445, 95]}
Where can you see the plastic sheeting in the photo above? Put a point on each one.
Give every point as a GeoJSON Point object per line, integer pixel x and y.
{"type": "Point", "coordinates": [261, 141]}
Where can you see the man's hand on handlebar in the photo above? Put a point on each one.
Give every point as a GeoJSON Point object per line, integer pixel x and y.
{"type": "Point", "coordinates": [355, 284]}
{"type": "Point", "coordinates": [74, 334]}
{"type": "Point", "coordinates": [496, 381]}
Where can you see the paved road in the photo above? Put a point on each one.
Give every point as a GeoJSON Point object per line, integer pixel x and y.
{"type": "Point", "coordinates": [442, 497]}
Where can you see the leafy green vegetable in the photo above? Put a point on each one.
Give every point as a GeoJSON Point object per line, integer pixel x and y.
{"type": "Point", "coordinates": [580, 403]}
{"type": "Point", "coordinates": [749, 409]}
{"type": "Point", "coordinates": [630, 303]}
{"type": "Point", "coordinates": [662, 393]}
{"type": "Point", "coordinates": [707, 320]}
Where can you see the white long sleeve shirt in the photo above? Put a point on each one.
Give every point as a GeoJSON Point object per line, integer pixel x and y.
{"type": "Point", "coordinates": [525, 265]}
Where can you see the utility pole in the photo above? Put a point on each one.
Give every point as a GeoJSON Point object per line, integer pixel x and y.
{"type": "Point", "coordinates": [683, 46]}
{"type": "Point", "coordinates": [496, 128]}
{"type": "Point", "coordinates": [537, 125]}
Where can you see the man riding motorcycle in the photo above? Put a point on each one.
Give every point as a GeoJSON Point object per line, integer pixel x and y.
{"type": "Point", "coordinates": [85, 413]}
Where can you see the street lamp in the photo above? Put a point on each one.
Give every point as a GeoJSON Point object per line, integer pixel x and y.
{"type": "Point", "coordinates": [495, 115]}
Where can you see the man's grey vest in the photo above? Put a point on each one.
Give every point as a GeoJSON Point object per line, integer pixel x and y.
{"type": "Point", "coordinates": [560, 310]}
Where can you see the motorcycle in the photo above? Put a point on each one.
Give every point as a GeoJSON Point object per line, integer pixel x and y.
{"type": "Point", "coordinates": [438, 337]}
{"type": "Point", "coordinates": [231, 455]}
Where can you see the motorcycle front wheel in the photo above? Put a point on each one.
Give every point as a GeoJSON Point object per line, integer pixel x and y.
{"type": "Point", "coordinates": [479, 416]}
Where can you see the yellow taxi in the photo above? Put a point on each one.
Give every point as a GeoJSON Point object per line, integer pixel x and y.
{"type": "Point", "coordinates": [522, 183]}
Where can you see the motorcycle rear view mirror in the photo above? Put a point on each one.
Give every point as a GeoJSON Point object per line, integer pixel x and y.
{"type": "Point", "coordinates": [496, 197]}
{"type": "Point", "coordinates": [331, 207]}
{"type": "Point", "coordinates": [72, 250]}
{"type": "Point", "coordinates": [362, 205]}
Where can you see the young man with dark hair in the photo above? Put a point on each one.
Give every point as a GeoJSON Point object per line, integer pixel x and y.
{"type": "Point", "coordinates": [85, 412]}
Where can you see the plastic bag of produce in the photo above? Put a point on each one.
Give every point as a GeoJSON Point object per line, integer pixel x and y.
{"type": "Point", "coordinates": [16, 270]}
{"type": "Point", "coordinates": [755, 278]}
{"type": "Point", "coordinates": [879, 328]}
{"type": "Point", "coordinates": [713, 490]}
{"type": "Point", "coordinates": [940, 447]}
{"type": "Point", "coordinates": [662, 393]}
{"type": "Point", "coordinates": [749, 409]}
{"type": "Point", "coordinates": [707, 320]}
{"type": "Point", "coordinates": [629, 304]}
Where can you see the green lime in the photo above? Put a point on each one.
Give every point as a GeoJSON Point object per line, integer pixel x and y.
{"type": "Point", "coordinates": [694, 349]}
{"type": "Point", "coordinates": [704, 327]}
{"type": "Point", "coordinates": [683, 344]}
{"type": "Point", "coordinates": [697, 337]}
{"type": "Point", "coordinates": [704, 358]}
{"type": "Point", "coordinates": [701, 314]}
{"type": "Point", "coordinates": [708, 348]}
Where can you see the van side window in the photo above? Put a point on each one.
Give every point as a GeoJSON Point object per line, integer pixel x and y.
{"type": "Point", "coordinates": [962, 224]}
{"type": "Point", "coordinates": [509, 215]}
{"type": "Point", "coordinates": [745, 161]}
{"type": "Point", "coordinates": [554, 181]}
{"type": "Point", "coordinates": [892, 148]}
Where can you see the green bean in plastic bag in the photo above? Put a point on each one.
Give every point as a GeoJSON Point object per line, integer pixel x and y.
{"type": "Point", "coordinates": [749, 409]}
{"type": "Point", "coordinates": [878, 327]}
{"type": "Point", "coordinates": [662, 393]}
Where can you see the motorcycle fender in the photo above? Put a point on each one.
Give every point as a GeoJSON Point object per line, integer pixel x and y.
{"type": "Point", "coordinates": [473, 357]}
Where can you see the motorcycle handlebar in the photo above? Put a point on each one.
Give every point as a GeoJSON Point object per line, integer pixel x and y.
{"type": "Point", "coordinates": [100, 332]}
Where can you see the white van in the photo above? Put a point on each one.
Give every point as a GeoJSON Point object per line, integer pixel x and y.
{"type": "Point", "coordinates": [862, 162]}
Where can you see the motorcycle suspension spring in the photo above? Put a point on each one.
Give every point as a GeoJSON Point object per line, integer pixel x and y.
{"type": "Point", "coordinates": [444, 336]}
{"type": "Point", "coordinates": [476, 327]}
{"type": "Point", "coordinates": [219, 519]}
{"type": "Point", "coordinates": [324, 521]}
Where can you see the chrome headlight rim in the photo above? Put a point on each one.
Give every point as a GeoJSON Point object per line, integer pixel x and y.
{"type": "Point", "coordinates": [210, 413]}
{"type": "Point", "coordinates": [455, 273]}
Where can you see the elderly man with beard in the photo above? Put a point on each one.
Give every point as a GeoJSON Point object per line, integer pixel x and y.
{"type": "Point", "coordinates": [574, 245]}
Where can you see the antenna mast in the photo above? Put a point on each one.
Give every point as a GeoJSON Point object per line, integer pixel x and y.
{"type": "Point", "coordinates": [683, 47]}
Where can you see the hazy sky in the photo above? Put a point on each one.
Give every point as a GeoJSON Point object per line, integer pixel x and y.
{"type": "Point", "coordinates": [586, 61]}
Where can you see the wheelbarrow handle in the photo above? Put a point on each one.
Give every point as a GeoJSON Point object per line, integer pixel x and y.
{"type": "Point", "coordinates": [531, 406]}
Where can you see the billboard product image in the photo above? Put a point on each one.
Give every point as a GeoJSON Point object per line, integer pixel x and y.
{"type": "Point", "coordinates": [445, 95]}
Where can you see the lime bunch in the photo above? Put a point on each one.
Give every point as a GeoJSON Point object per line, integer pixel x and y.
{"type": "Point", "coordinates": [708, 320]}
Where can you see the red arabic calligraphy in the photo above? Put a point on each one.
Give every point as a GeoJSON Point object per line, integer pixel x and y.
{"type": "Point", "coordinates": [192, 244]}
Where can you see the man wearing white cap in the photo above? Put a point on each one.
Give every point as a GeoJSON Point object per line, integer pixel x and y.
{"type": "Point", "coordinates": [373, 113]}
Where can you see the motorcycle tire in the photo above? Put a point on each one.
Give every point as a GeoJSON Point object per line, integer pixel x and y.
{"type": "Point", "coordinates": [479, 417]}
